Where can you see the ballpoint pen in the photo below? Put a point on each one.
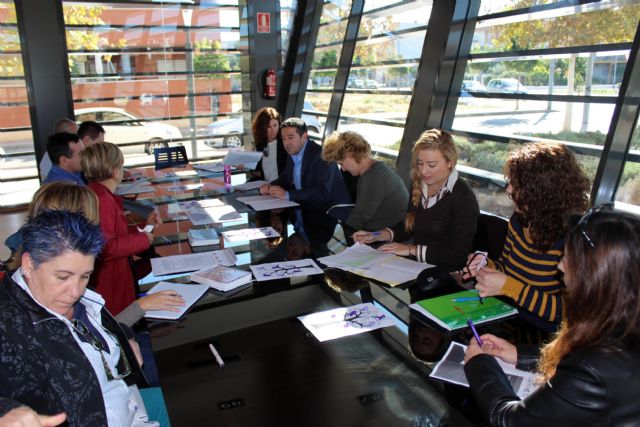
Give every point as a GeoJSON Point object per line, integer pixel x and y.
{"type": "Point", "coordinates": [475, 333]}
{"type": "Point", "coordinates": [465, 299]}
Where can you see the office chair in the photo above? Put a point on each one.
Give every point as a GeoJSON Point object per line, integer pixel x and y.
{"type": "Point", "coordinates": [169, 157]}
{"type": "Point", "coordinates": [490, 235]}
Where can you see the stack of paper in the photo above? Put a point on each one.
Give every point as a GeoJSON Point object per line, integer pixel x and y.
{"type": "Point", "coordinates": [190, 293]}
{"type": "Point", "coordinates": [454, 310]}
{"type": "Point", "coordinates": [451, 369]}
{"type": "Point", "coordinates": [192, 262]}
{"type": "Point", "coordinates": [250, 234]}
{"type": "Point", "coordinates": [203, 237]}
{"type": "Point", "coordinates": [382, 266]}
{"type": "Point", "coordinates": [264, 203]}
{"type": "Point", "coordinates": [222, 278]}
{"type": "Point", "coordinates": [210, 211]}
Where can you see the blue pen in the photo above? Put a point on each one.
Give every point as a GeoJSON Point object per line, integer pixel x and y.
{"type": "Point", "coordinates": [475, 333]}
{"type": "Point", "coordinates": [376, 233]}
{"type": "Point", "coordinates": [143, 294]}
{"type": "Point", "coordinates": [465, 299]}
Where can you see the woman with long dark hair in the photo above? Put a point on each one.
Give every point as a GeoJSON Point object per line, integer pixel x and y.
{"type": "Point", "coordinates": [266, 137]}
{"type": "Point", "coordinates": [547, 185]}
{"type": "Point", "coordinates": [590, 370]}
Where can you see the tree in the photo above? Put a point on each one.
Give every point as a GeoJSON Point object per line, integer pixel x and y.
{"type": "Point", "coordinates": [208, 60]}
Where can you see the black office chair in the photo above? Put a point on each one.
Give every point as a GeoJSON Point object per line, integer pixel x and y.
{"type": "Point", "coordinates": [169, 157]}
{"type": "Point", "coordinates": [490, 234]}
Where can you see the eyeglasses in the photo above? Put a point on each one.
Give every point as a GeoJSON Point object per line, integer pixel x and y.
{"type": "Point", "coordinates": [584, 221]}
{"type": "Point", "coordinates": [86, 334]}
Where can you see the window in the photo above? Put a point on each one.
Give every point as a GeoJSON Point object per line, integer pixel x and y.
{"type": "Point", "coordinates": [628, 194]}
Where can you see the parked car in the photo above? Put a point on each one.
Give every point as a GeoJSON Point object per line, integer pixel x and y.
{"type": "Point", "coordinates": [473, 86]}
{"type": "Point", "coordinates": [123, 127]}
{"type": "Point", "coordinates": [228, 132]}
{"type": "Point", "coordinates": [506, 85]}
{"type": "Point", "coordinates": [356, 83]}
{"type": "Point", "coordinates": [372, 84]}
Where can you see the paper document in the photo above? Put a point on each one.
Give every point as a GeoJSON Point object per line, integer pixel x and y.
{"type": "Point", "coordinates": [374, 264]}
{"type": "Point", "coordinates": [249, 159]}
{"type": "Point", "coordinates": [222, 278]}
{"type": "Point", "coordinates": [451, 369]}
{"type": "Point", "coordinates": [345, 321]}
{"type": "Point", "coordinates": [251, 185]}
{"type": "Point", "coordinates": [136, 187]}
{"type": "Point", "coordinates": [285, 269]}
{"type": "Point", "coordinates": [263, 203]}
{"type": "Point", "coordinates": [190, 293]}
{"type": "Point", "coordinates": [250, 234]}
{"type": "Point", "coordinates": [184, 187]}
{"type": "Point", "coordinates": [210, 211]}
{"type": "Point", "coordinates": [192, 262]}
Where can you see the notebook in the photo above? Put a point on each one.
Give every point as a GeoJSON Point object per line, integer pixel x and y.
{"type": "Point", "coordinates": [454, 314]}
{"type": "Point", "coordinates": [203, 237]}
{"type": "Point", "coordinates": [222, 278]}
{"type": "Point", "coordinates": [190, 293]}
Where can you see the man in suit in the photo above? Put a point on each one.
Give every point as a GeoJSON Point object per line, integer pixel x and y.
{"type": "Point", "coordinates": [64, 150]}
{"type": "Point", "coordinates": [308, 180]}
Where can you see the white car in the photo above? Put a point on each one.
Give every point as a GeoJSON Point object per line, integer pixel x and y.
{"type": "Point", "coordinates": [123, 127]}
{"type": "Point", "coordinates": [228, 132]}
{"type": "Point", "coordinates": [506, 85]}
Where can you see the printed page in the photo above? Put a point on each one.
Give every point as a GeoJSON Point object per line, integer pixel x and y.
{"type": "Point", "coordinates": [190, 293]}
{"type": "Point", "coordinates": [249, 159]}
{"type": "Point", "coordinates": [191, 262]}
{"type": "Point", "coordinates": [285, 269]}
{"type": "Point", "coordinates": [250, 234]}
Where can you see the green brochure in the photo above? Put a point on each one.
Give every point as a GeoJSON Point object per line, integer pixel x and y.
{"type": "Point", "coordinates": [452, 311]}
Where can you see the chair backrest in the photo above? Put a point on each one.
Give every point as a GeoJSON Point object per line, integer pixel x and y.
{"type": "Point", "coordinates": [168, 157]}
{"type": "Point", "coordinates": [490, 234]}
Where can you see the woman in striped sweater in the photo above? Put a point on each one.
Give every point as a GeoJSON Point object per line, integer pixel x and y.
{"type": "Point", "coordinates": [547, 185]}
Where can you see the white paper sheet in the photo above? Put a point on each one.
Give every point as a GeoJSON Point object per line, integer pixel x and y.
{"type": "Point", "coordinates": [192, 262]}
{"type": "Point", "coordinates": [451, 369]}
{"type": "Point", "coordinates": [345, 321]}
{"type": "Point", "coordinates": [209, 211]}
{"type": "Point", "coordinates": [136, 187]}
{"type": "Point", "coordinates": [249, 159]}
{"type": "Point", "coordinates": [382, 266]}
{"type": "Point", "coordinates": [251, 185]}
{"type": "Point", "coordinates": [250, 234]}
{"type": "Point", "coordinates": [285, 269]}
{"type": "Point", "coordinates": [263, 203]}
{"type": "Point", "coordinates": [210, 167]}
{"type": "Point", "coordinates": [190, 293]}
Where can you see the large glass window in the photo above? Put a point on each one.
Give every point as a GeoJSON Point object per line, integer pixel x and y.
{"type": "Point", "coordinates": [550, 72]}
{"type": "Point", "coordinates": [628, 194]}
{"type": "Point", "coordinates": [17, 161]}
{"type": "Point", "coordinates": [158, 74]}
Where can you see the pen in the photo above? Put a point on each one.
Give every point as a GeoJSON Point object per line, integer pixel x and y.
{"type": "Point", "coordinates": [465, 299]}
{"type": "Point", "coordinates": [216, 356]}
{"type": "Point", "coordinates": [143, 294]}
{"type": "Point", "coordinates": [475, 333]}
{"type": "Point", "coordinates": [166, 240]}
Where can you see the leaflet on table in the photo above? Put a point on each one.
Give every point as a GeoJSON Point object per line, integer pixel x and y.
{"type": "Point", "coordinates": [285, 269]}
{"type": "Point", "coordinates": [451, 369]}
{"type": "Point", "coordinates": [210, 211]}
{"type": "Point", "coordinates": [345, 321]}
{"type": "Point", "coordinates": [250, 234]}
{"type": "Point", "coordinates": [222, 278]}
{"type": "Point", "coordinates": [263, 203]}
{"type": "Point", "coordinates": [136, 187]}
{"type": "Point", "coordinates": [192, 262]}
{"type": "Point", "coordinates": [249, 159]}
{"type": "Point", "coordinates": [190, 293]}
{"type": "Point", "coordinates": [382, 266]}
{"type": "Point", "coordinates": [184, 187]}
{"type": "Point", "coordinates": [203, 237]}
{"type": "Point", "coordinates": [250, 185]}
{"type": "Point", "coordinates": [452, 311]}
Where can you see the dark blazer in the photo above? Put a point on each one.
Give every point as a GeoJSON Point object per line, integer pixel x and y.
{"type": "Point", "coordinates": [593, 386]}
{"type": "Point", "coordinates": [322, 188]}
{"type": "Point", "coordinates": [42, 365]}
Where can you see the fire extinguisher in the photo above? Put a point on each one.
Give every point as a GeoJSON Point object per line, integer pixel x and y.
{"type": "Point", "coordinates": [269, 84]}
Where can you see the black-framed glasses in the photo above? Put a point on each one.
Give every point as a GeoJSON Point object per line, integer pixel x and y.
{"type": "Point", "coordinates": [584, 221]}
{"type": "Point", "coordinates": [88, 337]}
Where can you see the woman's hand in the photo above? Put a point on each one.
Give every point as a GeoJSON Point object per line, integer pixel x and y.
{"type": "Point", "coordinates": [397, 248]}
{"type": "Point", "coordinates": [490, 282]}
{"type": "Point", "coordinates": [473, 261]}
{"type": "Point", "coordinates": [27, 417]}
{"type": "Point", "coordinates": [499, 348]}
{"type": "Point", "coordinates": [472, 350]}
{"type": "Point", "coordinates": [163, 300]}
{"type": "Point", "coordinates": [371, 236]}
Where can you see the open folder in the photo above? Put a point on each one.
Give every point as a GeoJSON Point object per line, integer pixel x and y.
{"type": "Point", "coordinates": [190, 293]}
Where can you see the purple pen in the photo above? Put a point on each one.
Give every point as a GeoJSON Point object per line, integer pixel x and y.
{"type": "Point", "coordinates": [475, 333]}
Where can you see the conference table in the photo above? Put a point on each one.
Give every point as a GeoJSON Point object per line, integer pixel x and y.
{"type": "Point", "coordinates": [276, 373]}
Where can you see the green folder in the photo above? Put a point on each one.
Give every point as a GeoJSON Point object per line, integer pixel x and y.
{"type": "Point", "coordinates": [443, 311]}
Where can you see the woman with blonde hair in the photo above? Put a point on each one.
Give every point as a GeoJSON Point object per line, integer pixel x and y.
{"type": "Point", "coordinates": [266, 137]}
{"type": "Point", "coordinates": [381, 196]}
{"type": "Point", "coordinates": [590, 370]}
{"type": "Point", "coordinates": [442, 212]}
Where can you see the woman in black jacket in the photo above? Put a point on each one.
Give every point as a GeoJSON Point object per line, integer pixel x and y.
{"type": "Point", "coordinates": [591, 371]}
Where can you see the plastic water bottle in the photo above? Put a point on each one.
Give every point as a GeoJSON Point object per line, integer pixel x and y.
{"type": "Point", "coordinates": [227, 176]}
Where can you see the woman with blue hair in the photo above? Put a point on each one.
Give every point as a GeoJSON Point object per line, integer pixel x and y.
{"type": "Point", "coordinates": [62, 352]}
